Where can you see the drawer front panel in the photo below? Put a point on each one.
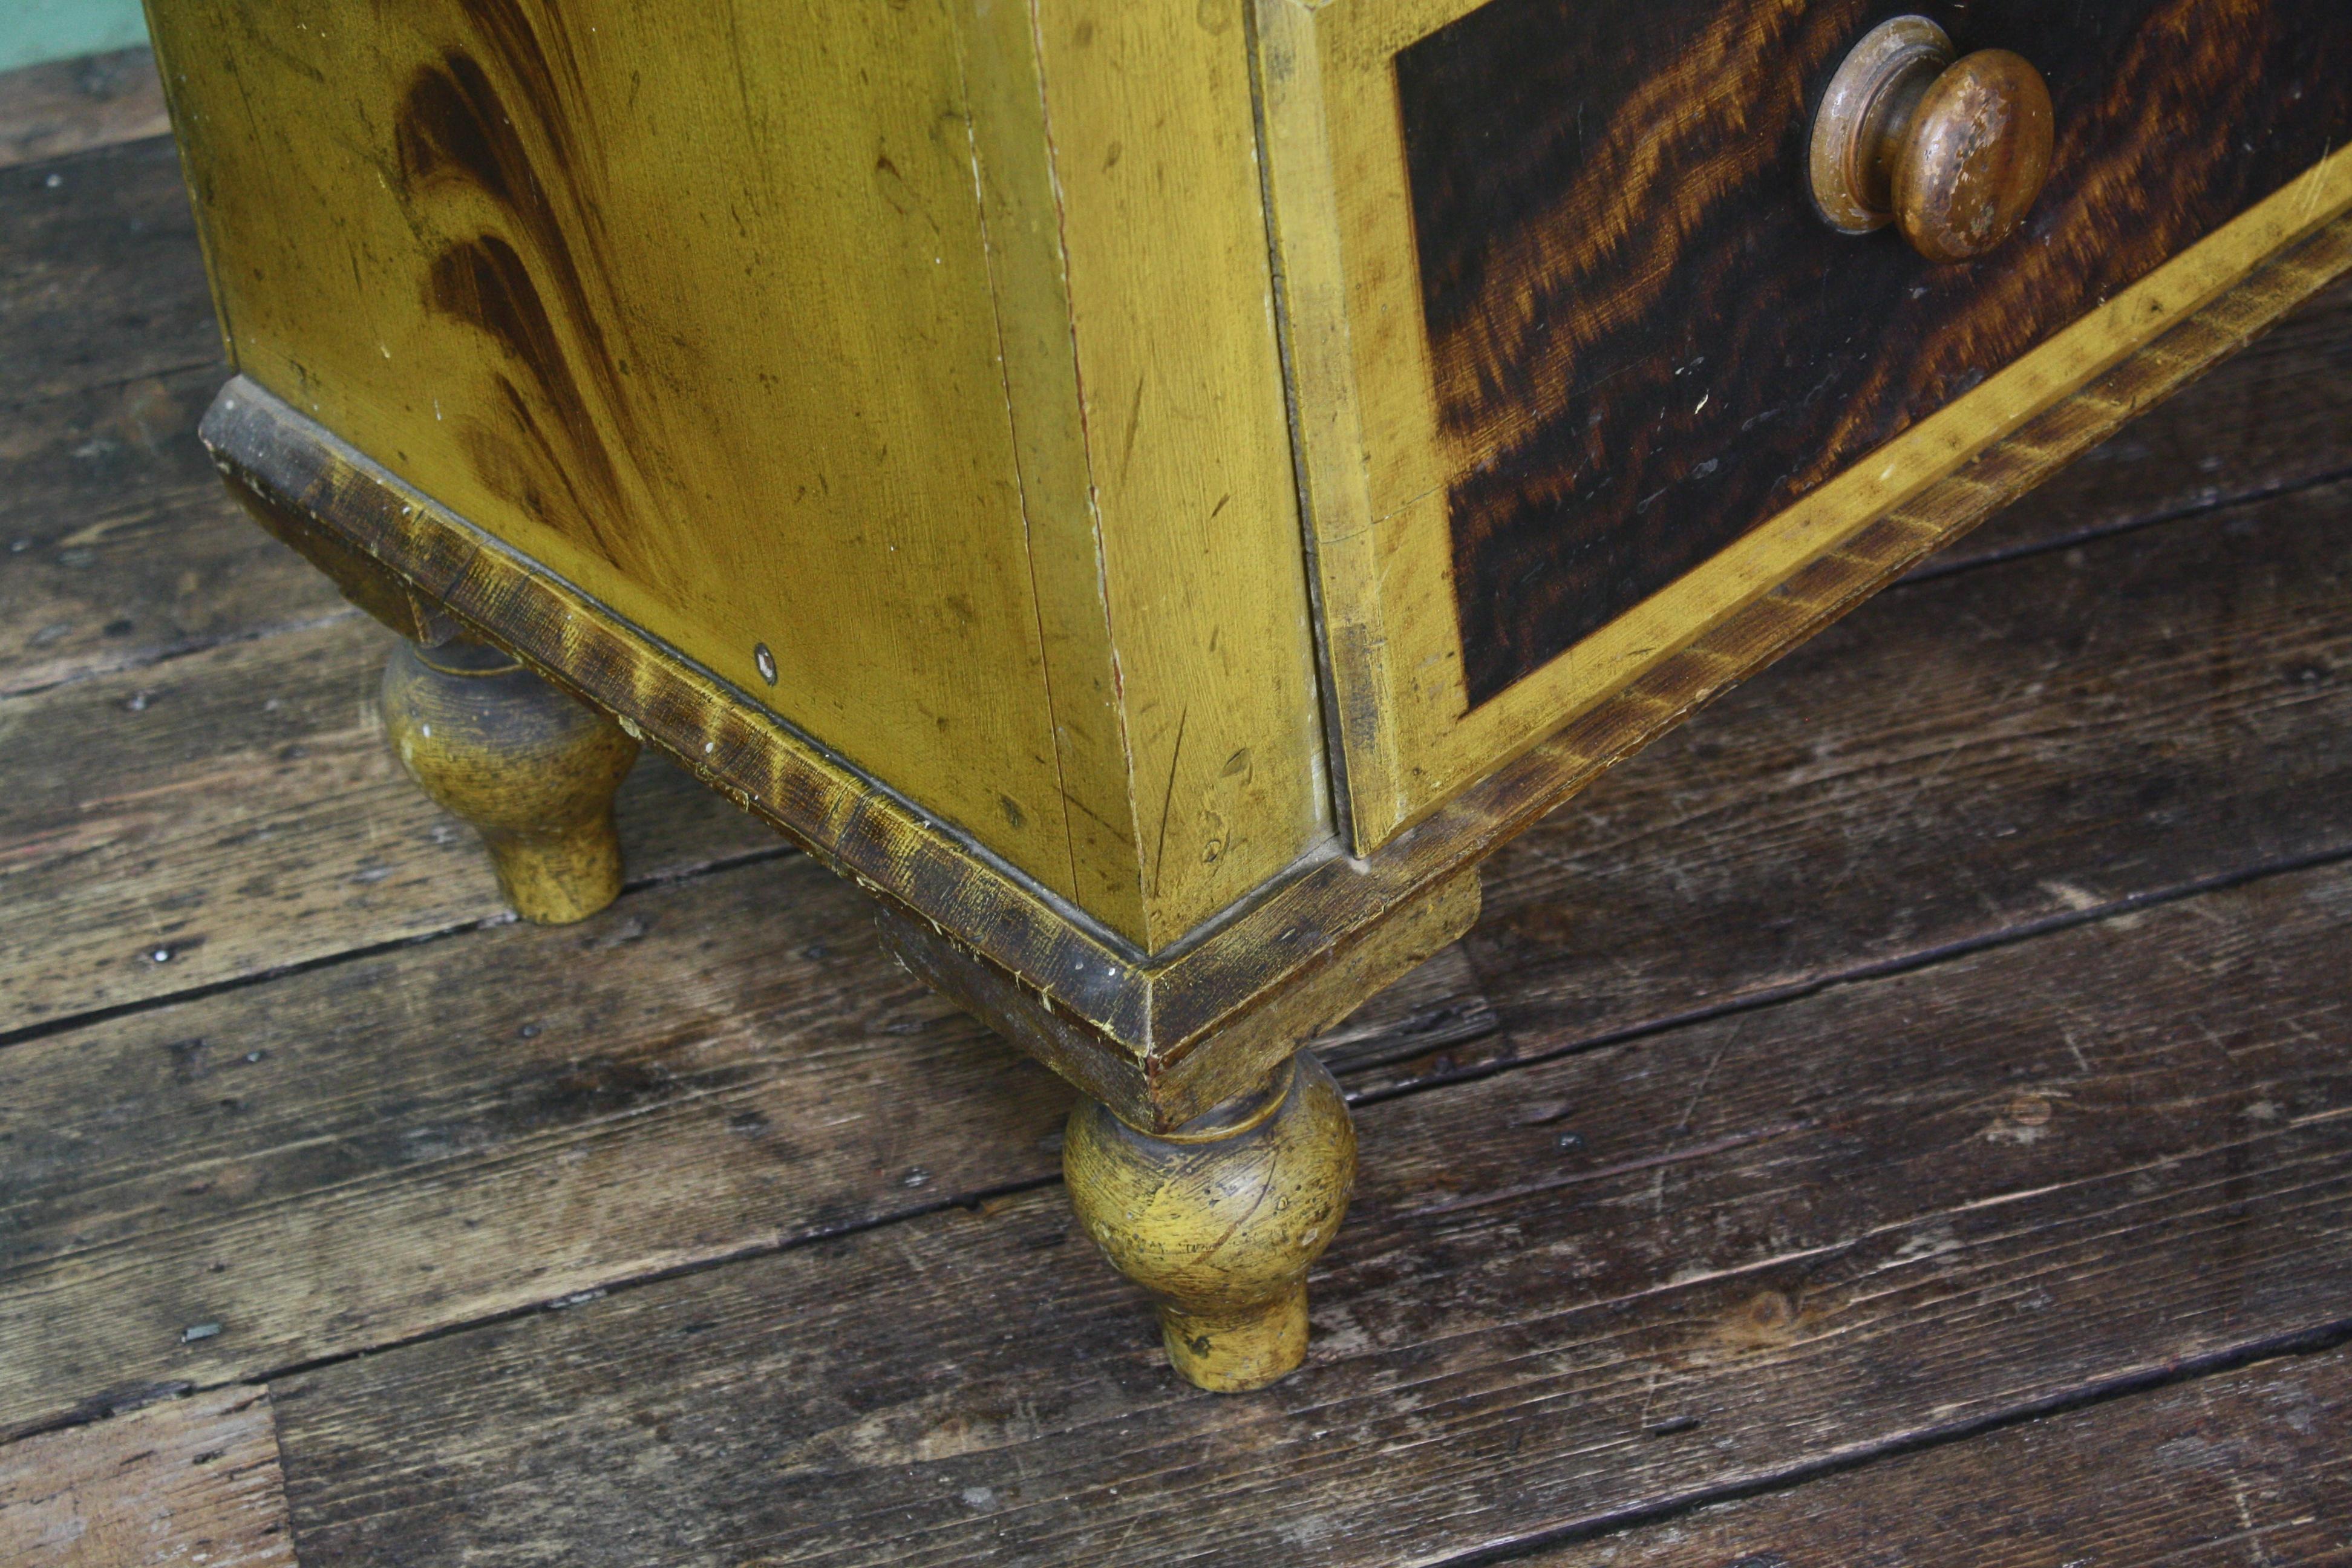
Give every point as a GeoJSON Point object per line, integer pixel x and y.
{"type": "Point", "coordinates": [1644, 342]}
{"type": "Point", "coordinates": [1579, 373]}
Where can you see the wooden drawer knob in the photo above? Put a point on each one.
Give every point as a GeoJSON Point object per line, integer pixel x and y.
{"type": "Point", "coordinates": [1954, 152]}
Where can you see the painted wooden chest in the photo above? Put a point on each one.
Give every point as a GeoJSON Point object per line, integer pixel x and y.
{"type": "Point", "coordinates": [1156, 490]}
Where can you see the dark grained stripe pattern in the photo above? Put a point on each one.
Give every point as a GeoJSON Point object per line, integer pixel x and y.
{"type": "Point", "coordinates": [500, 122]}
{"type": "Point", "coordinates": [1644, 342]}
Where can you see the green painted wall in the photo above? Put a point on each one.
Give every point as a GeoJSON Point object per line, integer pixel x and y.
{"type": "Point", "coordinates": [32, 31]}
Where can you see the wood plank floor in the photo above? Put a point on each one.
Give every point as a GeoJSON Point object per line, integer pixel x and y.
{"type": "Point", "coordinates": [1905, 1117]}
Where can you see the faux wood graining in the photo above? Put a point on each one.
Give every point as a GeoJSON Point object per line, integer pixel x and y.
{"type": "Point", "coordinates": [1644, 342]}
{"type": "Point", "coordinates": [633, 288]}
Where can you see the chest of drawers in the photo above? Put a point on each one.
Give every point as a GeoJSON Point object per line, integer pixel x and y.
{"type": "Point", "coordinates": [1156, 491]}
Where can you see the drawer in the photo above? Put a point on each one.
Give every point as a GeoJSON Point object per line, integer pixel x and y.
{"type": "Point", "coordinates": [1580, 369]}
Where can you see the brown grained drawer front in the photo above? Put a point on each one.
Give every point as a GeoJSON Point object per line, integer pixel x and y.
{"type": "Point", "coordinates": [1574, 331]}
{"type": "Point", "coordinates": [1644, 343]}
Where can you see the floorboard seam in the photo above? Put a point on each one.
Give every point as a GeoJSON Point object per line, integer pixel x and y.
{"type": "Point", "coordinates": [2318, 1339]}
{"type": "Point", "coordinates": [2203, 506]}
{"type": "Point", "coordinates": [1903, 963]}
{"type": "Point", "coordinates": [103, 1407]}
{"type": "Point", "coordinates": [781, 849]}
{"type": "Point", "coordinates": [157, 373]}
{"type": "Point", "coordinates": [172, 651]}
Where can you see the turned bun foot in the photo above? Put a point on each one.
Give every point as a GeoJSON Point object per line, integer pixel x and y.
{"type": "Point", "coordinates": [531, 769]}
{"type": "Point", "coordinates": [1221, 1219]}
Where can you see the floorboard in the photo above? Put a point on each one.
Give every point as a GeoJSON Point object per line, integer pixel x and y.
{"type": "Point", "coordinates": [119, 546]}
{"type": "Point", "coordinates": [1896, 1210]}
{"type": "Point", "coordinates": [190, 1483]}
{"type": "Point", "coordinates": [2248, 1469]}
{"type": "Point", "coordinates": [238, 812]}
{"type": "Point", "coordinates": [68, 106]}
{"type": "Point", "coordinates": [447, 1131]}
{"type": "Point", "coordinates": [101, 282]}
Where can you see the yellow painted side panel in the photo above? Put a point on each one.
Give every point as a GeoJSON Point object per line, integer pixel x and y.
{"type": "Point", "coordinates": [689, 302]}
